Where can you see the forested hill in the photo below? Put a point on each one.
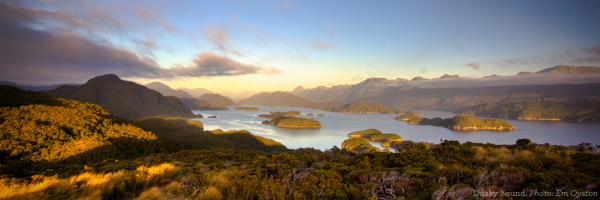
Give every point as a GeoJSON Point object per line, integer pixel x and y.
{"type": "Point", "coordinates": [580, 110]}
{"type": "Point", "coordinates": [124, 98]}
{"type": "Point", "coordinates": [217, 100]}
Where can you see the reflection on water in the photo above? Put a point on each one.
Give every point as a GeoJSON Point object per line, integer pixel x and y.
{"type": "Point", "coordinates": [336, 127]}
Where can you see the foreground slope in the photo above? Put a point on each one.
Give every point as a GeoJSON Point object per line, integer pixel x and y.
{"type": "Point", "coordinates": [123, 98]}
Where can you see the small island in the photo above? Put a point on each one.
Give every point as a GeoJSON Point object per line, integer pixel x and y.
{"type": "Point", "coordinates": [386, 137]}
{"type": "Point", "coordinates": [246, 108]}
{"type": "Point", "coordinates": [293, 122]}
{"type": "Point", "coordinates": [280, 114]}
{"type": "Point", "coordinates": [310, 114]}
{"type": "Point", "coordinates": [406, 117]}
{"type": "Point", "coordinates": [465, 123]}
{"type": "Point", "coordinates": [212, 117]}
{"type": "Point", "coordinates": [365, 133]}
{"type": "Point", "coordinates": [321, 115]}
{"type": "Point", "coordinates": [398, 145]}
{"type": "Point", "coordinates": [359, 145]}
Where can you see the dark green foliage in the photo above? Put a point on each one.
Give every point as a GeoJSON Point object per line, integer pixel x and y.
{"type": "Point", "coordinates": [368, 107]}
{"type": "Point", "coordinates": [415, 156]}
{"type": "Point", "coordinates": [581, 110]}
{"type": "Point", "coordinates": [293, 122]}
{"type": "Point", "coordinates": [123, 98]}
{"type": "Point", "coordinates": [327, 106]}
{"type": "Point", "coordinates": [280, 114]}
{"type": "Point", "coordinates": [217, 100]}
{"type": "Point", "coordinates": [523, 142]}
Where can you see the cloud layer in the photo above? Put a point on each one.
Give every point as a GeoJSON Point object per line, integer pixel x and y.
{"type": "Point", "coordinates": [58, 53]}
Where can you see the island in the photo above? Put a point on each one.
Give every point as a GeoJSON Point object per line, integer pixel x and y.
{"type": "Point", "coordinates": [310, 114]}
{"type": "Point", "coordinates": [293, 122]}
{"type": "Point", "coordinates": [398, 145]}
{"type": "Point", "coordinates": [359, 145]}
{"type": "Point", "coordinates": [321, 115]}
{"type": "Point", "coordinates": [246, 108]}
{"type": "Point", "coordinates": [385, 137]}
{"type": "Point", "coordinates": [465, 123]}
{"type": "Point", "coordinates": [280, 114]}
{"type": "Point", "coordinates": [580, 110]}
{"type": "Point", "coordinates": [212, 117]}
{"type": "Point", "coordinates": [365, 133]}
{"type": "Point", "coordinates": [406, 117]}
{"type": "Point", "coordinates": [369, 108]}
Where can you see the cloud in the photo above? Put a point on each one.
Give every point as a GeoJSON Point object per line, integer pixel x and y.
{"type": "Point", "coordinates": [260, 34]}
{"type": "Point", "coordinates": [529, 79]}
{"type": "Point", "coordinates": [54, 56]}
{"type": "Point", "coordinates": [583, 55]}
{"type": "Point", "coordinates": [473, 65]}
{"type": "Point", "coordinates": [283, 4]}
{"type": "Point", "coordinates": [217, 36]}
{"type": "Point", "coordinates": [323, 45]}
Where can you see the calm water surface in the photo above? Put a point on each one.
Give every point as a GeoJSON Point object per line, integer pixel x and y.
{"type": "Point", "coordinates": [336, 126]}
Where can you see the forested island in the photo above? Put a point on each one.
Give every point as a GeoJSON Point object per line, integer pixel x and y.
{"type": "Point", "coordinates": [369, 107]}
{"type": "Point", "coordinates": [580, 110]}
{"type": "Point", "coordinates": [246, 108]}
{"type": "Point", "coordinates": [460, 123]}
{"type": "Point", "coordinates": [293, 122]}
{"type": "Point", "coordinates": [280, 114]}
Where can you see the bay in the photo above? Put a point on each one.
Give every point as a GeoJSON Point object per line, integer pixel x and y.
{"type": "Point", "coordinates": [336, 126]}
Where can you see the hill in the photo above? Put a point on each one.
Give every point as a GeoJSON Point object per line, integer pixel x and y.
{"type": "Point", "coordinates": [195, 104]}
{"type": "Point", "coordinates": [580, 110]}
{"type": "Point", "coordinates": [369, 107]}
{"type": "Point", "coordinates": [217, 100]}
{"type": "Point", "coordinates": [326, 106]}
{"type": "Point", "coordinates": [165, 90]}
{"type": "Point", "coordinates": [464, 122]}
{"type": "Point", "coordinates": [195, 92]}
{"type": "Point", "coordinates": [123, 98]}
{"type": "Point", "coordinates": [276, 99]}
{"type": "Point", "coordinates": [571, 69]}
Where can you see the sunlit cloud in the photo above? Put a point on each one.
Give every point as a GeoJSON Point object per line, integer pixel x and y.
{"type": "Point", "coordinates": [220, 38]}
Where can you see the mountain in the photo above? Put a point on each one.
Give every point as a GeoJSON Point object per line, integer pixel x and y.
{"type": "Point", "coordinates": [168, 91]}
{"type": "Point", "coordinates": [276, 99]}
{"type": "Point", "coordinates": [217, 100]}
{"type": "Point", "coordinates": [33, 88]}
{"type": "Point", "coordinates": [571, 69]}
{"type": "Point", "coordinates": [196, 92]}
{"type": "Point", "coordinates": [581, 110]}
{"type": "Point", "coordinates": [238, 96]}
{"type": "Point", "coordinates": [123, 98]}
{"type": "Point", "coordinates": [196, 104]}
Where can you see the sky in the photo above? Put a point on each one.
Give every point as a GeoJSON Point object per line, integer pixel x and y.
{"type": "Point", "coordinates": [242, 45]}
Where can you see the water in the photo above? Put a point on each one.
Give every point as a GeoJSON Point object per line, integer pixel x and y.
{"type": "Point", "coordinates": [336, 126]}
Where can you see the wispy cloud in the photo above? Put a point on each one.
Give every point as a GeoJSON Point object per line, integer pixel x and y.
{"type": "Point", "coordinates": [583, 55]}
{"type": "Point", "coordinates": [261, 35]}
{"type": "Point", "coordinates": [220, 38]}
{"type": "Point", "coordinates": [323, 45]}
{"type": "Point", "coordinates": [473, 65]}
{"type": "Point", "coordinates": [52, 56]}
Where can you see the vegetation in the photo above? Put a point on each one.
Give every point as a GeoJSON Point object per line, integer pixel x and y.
{"type": "Point", "coordinates": [310, 114]}
{"type": "Point", "coordinates": [581, 110]}
{"type": "Point", "coordinates": [365, 133]}
{"type": "Point", "coordinates": [464, 122]}
{"type": "Point", "coordinates": [406, 117]}
{"type": "Point", "coordinates": [398, 145]}
{"type": "Point", "coordinates": [385, 137]}
{"type": "Point", "coordinates": [293, 122]}
{"type": "Point", "coordinates": [53, 148]}
{"type": "Point", "coordinates": [217, 100]}
{"type": "Point", "coordinates": [359, 145]}
{"type": "Point", "coordinates": [246, 108]}
{"type": "Point", "coordinates": [280, 114]}
{"type": "Point", "coordinates": [123, 98]}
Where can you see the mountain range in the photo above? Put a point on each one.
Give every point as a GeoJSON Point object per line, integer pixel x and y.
{"type": "Point", "coordinates": [123, 98]}
{"type": "Point", "coordinates": [168, 91]}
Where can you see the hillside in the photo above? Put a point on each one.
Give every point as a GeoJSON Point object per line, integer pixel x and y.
{"type": "Point", "coordinates": [217, 100]}
{"type": "Point", "coordinates": [276, 99]}
{"type": "Point", "coordinates": [123, 98]}
{"type": "Point", "coordinates": [196, 104]}
{"type": "Point", "coordinates": [369, 107]}
{"type": "Point", "coordinates": [581, 110]}
{"type": "Point", "coordinates": [165, 90]}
